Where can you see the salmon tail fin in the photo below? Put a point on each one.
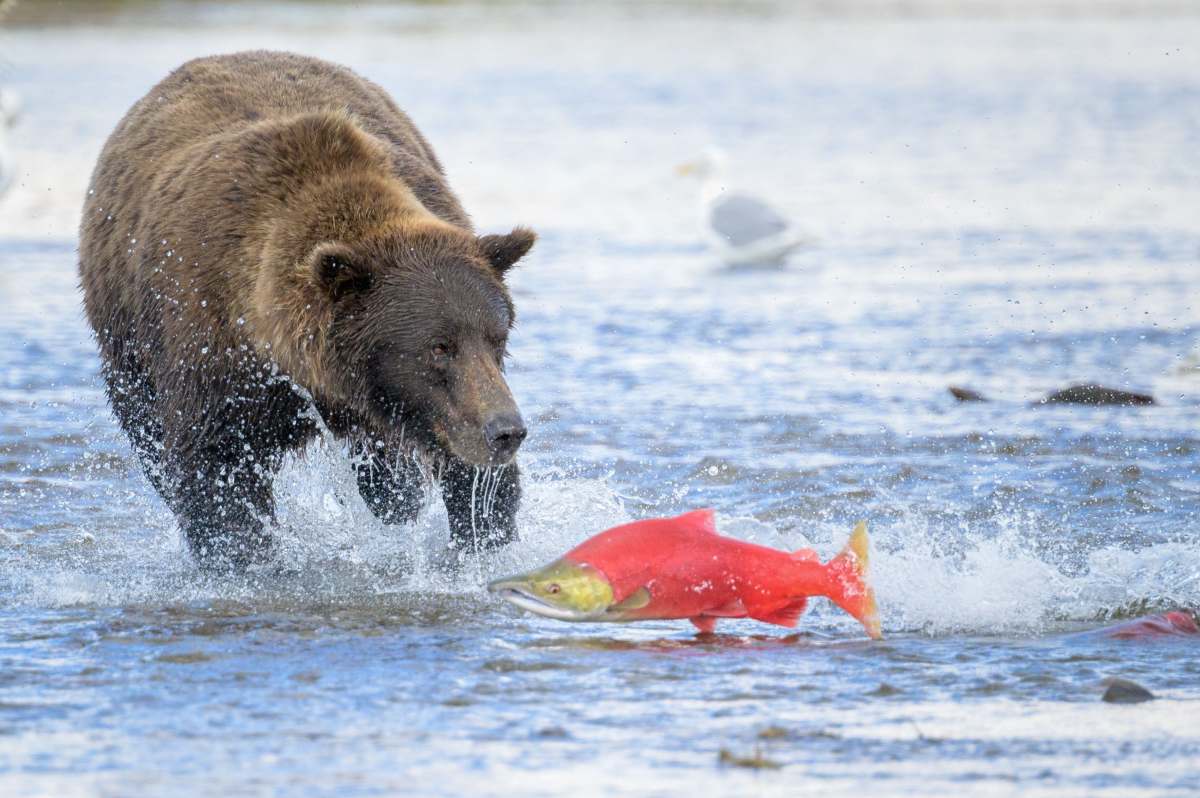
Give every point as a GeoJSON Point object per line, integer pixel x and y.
{"type": "Point", "coordinates": [849, 588]}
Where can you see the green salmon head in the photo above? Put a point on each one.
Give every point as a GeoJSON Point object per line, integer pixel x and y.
{"type": "Point", "coordinates": [564, 590]}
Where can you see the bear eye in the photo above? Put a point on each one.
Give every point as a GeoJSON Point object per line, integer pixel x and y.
{"type": "Point", "coordinates": [499, 348]}
{"type": "Point", "coordinates": [440, 350]}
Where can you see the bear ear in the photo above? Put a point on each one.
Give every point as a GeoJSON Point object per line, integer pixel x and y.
{"type": "Point", "coordinates": [338, 270]}
{"type": "Point", "coordinates": [502, 251]}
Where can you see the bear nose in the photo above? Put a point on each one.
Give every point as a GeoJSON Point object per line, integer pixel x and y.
{"type": "Point", "coordinates": [504, 435]}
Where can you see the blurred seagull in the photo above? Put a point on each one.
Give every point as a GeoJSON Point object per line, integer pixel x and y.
{"type": "Point", "coordinates": [745, 230]}
{"type": "Point", "coordinates": [8, 117]}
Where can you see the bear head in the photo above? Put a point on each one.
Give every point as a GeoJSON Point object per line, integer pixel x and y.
{"type": "Point", "coordinates": [418, 325]}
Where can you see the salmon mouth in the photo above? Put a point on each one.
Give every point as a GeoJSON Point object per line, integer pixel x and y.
{"type": "Point", "coordinates": [563, 590]}
{"type": "Point", "coordinates": [517, 595]}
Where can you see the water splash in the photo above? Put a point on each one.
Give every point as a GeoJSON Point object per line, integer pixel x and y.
{"type": "Point", "coordinates": [333, 550]}
{"type": "Point", "coordinates": [1005, 585]}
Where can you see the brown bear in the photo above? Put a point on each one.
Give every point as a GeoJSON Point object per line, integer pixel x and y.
{"type": "Point", "coordinates": [268, 249]}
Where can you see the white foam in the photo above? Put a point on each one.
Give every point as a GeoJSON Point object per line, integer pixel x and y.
{"type": "Point", "coordinates": [332, 549]}
{"type": "Point", "coordinates": [325, 517]}
{"type": "Point", "coordinates": [1003, 585]}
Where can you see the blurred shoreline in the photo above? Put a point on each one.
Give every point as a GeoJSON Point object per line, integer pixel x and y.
{"type": "Point", "coordinates": [156, 13]}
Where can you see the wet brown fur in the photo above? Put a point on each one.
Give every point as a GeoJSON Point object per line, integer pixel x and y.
{"type": "Point", "coordinates": [260, 228]}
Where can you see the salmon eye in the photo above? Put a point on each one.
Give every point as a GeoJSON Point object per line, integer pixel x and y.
{"type": "Point", "coordinates": [553, 588]}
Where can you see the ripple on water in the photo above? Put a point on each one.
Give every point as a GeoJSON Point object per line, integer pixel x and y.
{"type": "Point", "coordinates": [795, 402]}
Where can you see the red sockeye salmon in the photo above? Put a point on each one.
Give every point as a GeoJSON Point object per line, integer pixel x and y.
{"type": "Point", "coordinates": [681, 567]}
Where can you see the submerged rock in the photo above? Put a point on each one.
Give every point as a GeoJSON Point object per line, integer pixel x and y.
{"type": "Point", "coordinates": [966, 394]}
{"type": "Point", "coordinates": [1088, 394]}
{"type": "Point", "coordinates": [755, 762]}
{"type": "Point", "coordinates": [1123, 691]}
{"type": "Point", "coordinates": [774, 733]}
{"type": "Point", "coordinates": [1096, 395]}
{"type": "Point", "coordinates": [554, 733]}
{"type": "Point", "coordinates": [884, 690]}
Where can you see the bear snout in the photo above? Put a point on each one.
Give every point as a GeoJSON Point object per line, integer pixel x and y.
{"type": "Point", "coordinates": [484, 425]}
{"type": "Point", "coordinates": [504, 434]}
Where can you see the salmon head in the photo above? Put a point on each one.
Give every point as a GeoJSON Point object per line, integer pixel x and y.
{"type": "Point", "coordinates": [563, 590]}
{"type": "Point", "coordinates": [570, 591]}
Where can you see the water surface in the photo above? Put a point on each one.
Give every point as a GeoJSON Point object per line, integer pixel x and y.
{"type": "Point", "coordinates": [1005, 203]}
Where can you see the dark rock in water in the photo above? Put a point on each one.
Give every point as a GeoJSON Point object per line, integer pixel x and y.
{"type": "Point", "coordinates": [774, 733]}
{"type": "Point", "coordinates": [1096, 395]}
{"type": "Point", "coordinates": [554, 733]}
{"type": "Point", "coordinates": [1123, 691]}
{"type": "Point", "coordinates": [755, 761]}
{"type": "Point", "coordinates": [1074, 395]}
{"type": "Point", "coordinates": [966, 394]}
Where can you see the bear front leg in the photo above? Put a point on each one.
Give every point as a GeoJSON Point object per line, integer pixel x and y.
{"type": "Point", "coordinates": [391, 484]}
{"type": "Point", "coordinates": [222, 508]}
{"type": "Point", "coordinates": [481, 503]}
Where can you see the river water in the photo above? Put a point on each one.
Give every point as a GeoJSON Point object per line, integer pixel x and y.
{"type": "Point", "coordinates": [1001, 200]}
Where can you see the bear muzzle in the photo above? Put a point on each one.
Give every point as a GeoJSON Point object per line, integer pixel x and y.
{"type": "Point", "coordinates": [504, 434]}
{"type": "Point", "coordinates": [485, 427]}
{"type": "Point", "coordinates": [492, 443]}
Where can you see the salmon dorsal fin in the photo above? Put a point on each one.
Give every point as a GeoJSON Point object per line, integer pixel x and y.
{"type": "Point", "coordinates": [699, 521]}
{"type": "Point", "coordinates": [788, 615]}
